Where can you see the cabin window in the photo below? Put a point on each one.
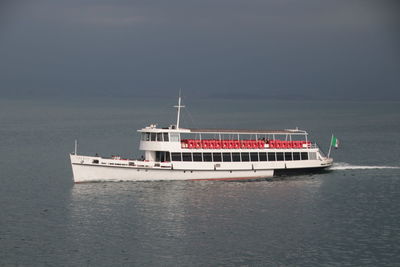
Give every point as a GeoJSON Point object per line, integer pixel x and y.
{"type": "Point", "coordinates": [159, 137]}
{"type": "Point", "coordinates": [245, 156]}
{"type": "Point", "coordinates": [95, 161]}
{"type": "Point", "coordinates": [176, 156]}
{"type": "Point", "coordinates": [207, 157]}
{"type": "Point", "coordinates": [197, 157]}
{"type": "Point", "coordinates": [153, 136]}
{"type": "Point", "coordinates": [263, 156]}
{"type": "Point", "coordinates": [226, 157]}
{"type": "Point", "coordinates": [147, 136]}
{"type": "Point", "coordinates": [253, 156]}
{"type": "Point", "coordinates": [163, 156]}
{"type": "Point", "coordinates": [187, 156]}
{"type": "Point", "coordinates": [166, 139]}
{"type": "Point", "coordinates": [288, 156]}
{"type": "Point", "coordinates": [235, 157]}
{"type": "Point", "coordinates": [174, 137]}
{"type": "Point", "coordinates": [271, 156]}
{"type": "Point", "coordinates": [296, 155]}
{"type": "Point", "coordinates": [279, 156]}
{"type": "Point", "coordinates": [217, 157]}
{"type": "Point", "coordinates": [313, 155]}
{"type": "Point", "coordinates": [304, 155]}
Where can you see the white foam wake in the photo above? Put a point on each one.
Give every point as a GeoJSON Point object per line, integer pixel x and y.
{"type": "Point", "coordinates": [346, 166]}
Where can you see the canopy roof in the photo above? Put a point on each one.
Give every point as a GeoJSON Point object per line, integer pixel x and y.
{"type": "Point", "coordinates": [153, 128]}
{"type": "Point", "coordinates": [241, 131]}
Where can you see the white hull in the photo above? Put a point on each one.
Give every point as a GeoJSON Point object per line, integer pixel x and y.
{"type": "Point", "coordinates": [85, 171]}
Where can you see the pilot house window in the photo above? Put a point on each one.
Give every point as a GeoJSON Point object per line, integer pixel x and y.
{"type": "Point", "coordinates": [159, 137]}
{"type": "Point", "coordinates": [165, 137]}
{"type": "Point", "coordinates": [174, 137]}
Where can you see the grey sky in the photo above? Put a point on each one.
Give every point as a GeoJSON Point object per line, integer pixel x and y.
{"type": "Point", "coordinates": [270, 48]}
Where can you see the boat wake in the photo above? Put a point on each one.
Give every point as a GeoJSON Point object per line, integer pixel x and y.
{"type": "Point", "coordinates": [346, 166]}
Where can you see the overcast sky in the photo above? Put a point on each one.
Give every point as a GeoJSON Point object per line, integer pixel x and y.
{"type": "Point", "coordinates": [338, 49]}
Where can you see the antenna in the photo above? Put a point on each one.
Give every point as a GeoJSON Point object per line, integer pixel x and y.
{"type": "Point", "coordinates": [179, 106]}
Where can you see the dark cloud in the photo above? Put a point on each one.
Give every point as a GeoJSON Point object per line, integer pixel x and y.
{"type": "Point", "coordinates": [278, 48]}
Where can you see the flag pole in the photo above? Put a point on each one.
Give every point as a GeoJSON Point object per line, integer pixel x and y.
{"type": "Point", "coordinates": [330, 146]}
{"type": "Point", "coordinates": [76, 147]}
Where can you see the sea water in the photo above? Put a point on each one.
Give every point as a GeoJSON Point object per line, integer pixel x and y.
{"type": "Point", "coordinates": [348, 216]}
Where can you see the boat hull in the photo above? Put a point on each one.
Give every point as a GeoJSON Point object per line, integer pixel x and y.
{"type": "Point", "coordinates": [85, 171]}
{"type": "Point", "coordinates": [90, 173]}
{"type": "Point", "coordinates": [300, 171]}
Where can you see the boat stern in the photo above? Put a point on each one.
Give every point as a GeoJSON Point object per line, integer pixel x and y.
{"type": "Point", "coordinates": [326, 162]}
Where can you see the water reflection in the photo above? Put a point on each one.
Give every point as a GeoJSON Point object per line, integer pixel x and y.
{"type": "Point", "coordinates": [154, 222]}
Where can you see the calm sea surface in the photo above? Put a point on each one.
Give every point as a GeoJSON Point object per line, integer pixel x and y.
{"type": "Point", "coordinates": [349, 216]}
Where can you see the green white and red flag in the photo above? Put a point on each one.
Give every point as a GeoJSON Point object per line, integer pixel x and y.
{"type": "Point", "coordinates": [334, 142]}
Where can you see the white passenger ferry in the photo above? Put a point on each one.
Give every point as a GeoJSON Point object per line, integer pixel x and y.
{"type": "Point", "coordinates": [175, 153]}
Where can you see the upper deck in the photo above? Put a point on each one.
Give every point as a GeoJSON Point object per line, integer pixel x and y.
{"type": "Point", "coordinates": [172, 139]}
{"type": "Point", "coordinates": [176, 139]}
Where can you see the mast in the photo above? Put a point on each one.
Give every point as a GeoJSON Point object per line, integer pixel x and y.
{"type": "Point", "coordinates": [179, 106]}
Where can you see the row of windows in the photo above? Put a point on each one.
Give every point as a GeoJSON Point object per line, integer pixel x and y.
{"type": "Point", "coordinates": [160, 137]}
{"type": "Point", "coordinates": [241, 157]}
